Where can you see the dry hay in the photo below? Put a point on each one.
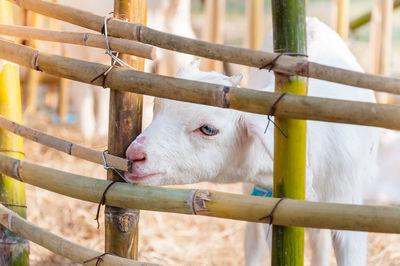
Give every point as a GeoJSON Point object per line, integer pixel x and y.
{"type": "Point", "coordinates": [168, 239]}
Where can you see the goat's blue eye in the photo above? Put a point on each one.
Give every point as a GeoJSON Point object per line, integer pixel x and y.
{"type": "Point", "coordinates": [209, 130]}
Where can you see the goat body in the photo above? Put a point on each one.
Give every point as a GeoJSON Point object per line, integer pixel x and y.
{"type": "Point", "coordinates": [188, 143]}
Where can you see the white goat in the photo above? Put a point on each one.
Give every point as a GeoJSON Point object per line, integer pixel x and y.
{"type": "Point", "coordinates": [188, 143]}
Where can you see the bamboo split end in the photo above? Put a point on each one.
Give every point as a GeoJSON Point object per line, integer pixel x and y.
{"type": "Point", "coordinates": [199, 200]}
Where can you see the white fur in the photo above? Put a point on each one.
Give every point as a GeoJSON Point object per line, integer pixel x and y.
{"type": "Point", "coordinates": [340, 158]}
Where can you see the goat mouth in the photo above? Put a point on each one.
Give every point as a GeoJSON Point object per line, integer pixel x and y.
{"type": "Point", "coordinates": [135, 178]}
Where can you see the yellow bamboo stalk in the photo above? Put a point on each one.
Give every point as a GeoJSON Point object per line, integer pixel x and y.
{"type": "Point", "coordinates": [286, 64]}
{"type": "Point", "coordinates": [255, 22]}
{"type": "Point", "coordinates": [207, 202]}
{"type": "Point", "coordinates": [13, 247]}
{"type": "Point", "coordinates": [380, 41]}
{"type": "Point", "coordinates": [247, 100]}
{"type": "Point", "coordinates": [33, 76]}
{"type": "Point", "coordinates": [213, 30]}
{"type": "Point", "coordinates": [59, 245]}
{"type": "Point", "coordinates": [63, 99]}
{"type": "Point", "coordinates": [86, 39]}
{"type": "Point", "coordinates": [342, 19]}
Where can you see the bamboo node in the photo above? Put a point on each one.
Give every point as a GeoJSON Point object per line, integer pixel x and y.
{"type": "Point", "coordinates": [16, 171]}
{"type": "Point", "coordinates": [138, 34]}
{"type": "Point", "coordinates": [68, 148]}
{"type": "Point", "coordinates": [9, 221]}
{"type": "Point", "coordinates": [199, 199]}
{"type": "Point", "coordinates": [225, 100]}
{"type": "Point", "coordinates": [5, 150]}
{"type": "Point", "coordinates": [85, 38]}
{"type": "Point", "coordinates": [13, 205]}
{"type": "Point", "coordinates": [36, 62]}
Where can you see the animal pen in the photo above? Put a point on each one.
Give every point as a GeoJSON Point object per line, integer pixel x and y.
{"type": "Point", "coordinates": [124, 200]}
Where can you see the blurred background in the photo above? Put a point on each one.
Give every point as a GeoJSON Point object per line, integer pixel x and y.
{"type": "Point", "coordinates": [74, 112]}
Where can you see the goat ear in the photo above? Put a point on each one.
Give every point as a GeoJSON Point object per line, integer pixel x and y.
{"type": "Point", "coordinates": [255, 128]}
{"type": "Point", "coordinates": [235, 80]}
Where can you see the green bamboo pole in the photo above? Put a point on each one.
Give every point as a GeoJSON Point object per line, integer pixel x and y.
{"type": "Point", "coordinates": [210, 203]}
{"type": "Point", "coordinates": [14, 249]}
{"type": "Point", "coordinates": [289, 29]}
{"type": "Point", "coordinates": [286, 64]}
{"type": "Point", "coordinates": [364, 19]}
{"type": "Point", "coordinates": [125, 123]}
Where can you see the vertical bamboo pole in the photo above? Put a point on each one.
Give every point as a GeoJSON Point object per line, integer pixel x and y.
{"type": "Point", "coordinates": [14, 250]}
{"type": "Point", "coordinates": [125, 123]}
{"type": "Point", "coordinates": [342, 20]}
{"type": "Point", "coordinates": [33, 76]}
{"type": "Point", "coordinates": [289, 30]}
{"type": "Point", "coordinates": [255, 17]}
{"type": "Point", "coordinates": [213, 30]}
{"type": "Point", "coordinates": [63, 96]}
{"type": "Point", "coordinates": [381, 41]}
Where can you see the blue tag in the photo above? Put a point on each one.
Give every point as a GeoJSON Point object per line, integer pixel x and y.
{"type": "Point", "coordinates": [261, 191]}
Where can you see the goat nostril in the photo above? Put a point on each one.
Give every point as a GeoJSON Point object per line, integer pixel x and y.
{"type": "Point", "coordinates": [137, 157]}
{"type": "Point", "coordinates": [141, 159]}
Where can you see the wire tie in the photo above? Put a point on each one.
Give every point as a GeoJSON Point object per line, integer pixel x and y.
{"type": "Point", "coordinates": [97, 258]}
{"type": "Point", "coordinates": [103, 197]}
{"type": "Point", "coordinates": [270, 216]}
{"type": "Point", "coordinates": [271, 65]}
{"type": "Point", "coordinates": [272, 112]}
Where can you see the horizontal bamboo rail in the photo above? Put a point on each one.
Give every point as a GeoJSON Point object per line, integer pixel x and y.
{"type": "Point", "coordinates": [364, 19]}
{"type": "Point", "coordinates": [285, 64]}
{"type": "Point", "coordinates": [65, 146]}
{"type": "Point", "coordinates": [86, 39]}
{"type": "Point", "coordinates": [206, 202]}
{"type": "Point", "coordinates": [247, 100]}
{"type": "Point", "coordinates": [59, 245]}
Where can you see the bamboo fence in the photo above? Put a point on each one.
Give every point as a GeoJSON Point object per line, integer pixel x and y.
{"type": "Point", "coordinates": [65, 146]}
{"type": "Point", "coordinates": [247, 100]}
{"type": "Point", "coordinates": [58, 245]}
{"type": "Point", "coordinates": [364, 19]}
{"type": "Point", "coordinates": [125, 123]}
{"type": "Point", "coordinates": [287, 65]}
{"type": "Point", "coordinates": [206, 202]}
{"type": "Point", "coordinates": [289, 31]}
{"type": "Point", "coordinates": [86, 39]}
